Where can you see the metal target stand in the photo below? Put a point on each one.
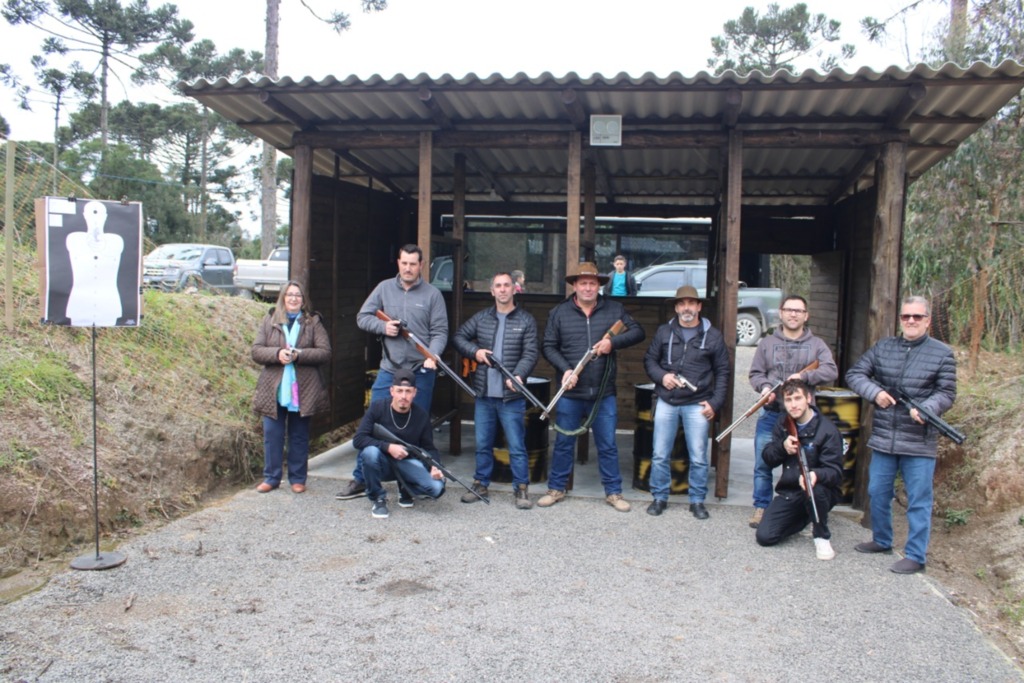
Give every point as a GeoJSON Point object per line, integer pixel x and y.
{"type": "Point", "coordinates": [100, 560]}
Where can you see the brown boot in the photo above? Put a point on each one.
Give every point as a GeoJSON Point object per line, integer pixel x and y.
{"type": "Point", "coordinates": [523, 501]}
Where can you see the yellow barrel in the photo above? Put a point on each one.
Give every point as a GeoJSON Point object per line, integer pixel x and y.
{"type": "Point", "coordinates": [536, 438]}
{"type": "Point", "coordinates": [842, 406]}
{"type": "Point", "coordinates": [643, 446]}
{"type": "Point", "coordinates": [371, 377]}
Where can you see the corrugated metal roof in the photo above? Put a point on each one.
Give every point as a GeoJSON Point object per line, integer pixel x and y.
{"type": "Point", "coordinates": [805, 135]}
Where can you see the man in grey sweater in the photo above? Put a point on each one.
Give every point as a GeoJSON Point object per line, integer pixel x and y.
{"type": "Point", "coordinates": [781, 356]}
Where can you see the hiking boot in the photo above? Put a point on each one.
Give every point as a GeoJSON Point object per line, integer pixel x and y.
{"type": "Point", "coordinates": [657, 507]}
{"type": "Point", "coordinates": [404, 498]}
{"type": "Point", "coordinates": [353, 489]}
{"type": "Point", "coordinates": [907, 566]}
{"type": "Point", "coordinates": [380, 508]}
{"type": "Point", "coordinates": [871, 547]}
{"type": "Point", "coordinates": [755, 519]}
{"type": "Point", "coordinates": [550, 498]}
{"type": "Point", "coordinates": [823, 549]}
{"type": "Point", "coordinates": [522, 499]}
{"type": "Point", "coordinates": [618, 502]}
{"type": "Point", "coordinates": [699, 511]}
{"type": "Point", "coordinates": [468, 497]}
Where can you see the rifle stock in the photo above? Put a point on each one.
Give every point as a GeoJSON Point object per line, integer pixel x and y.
{"type": "Point", "coordinates": [760, 403]}
{"type": "Point", "coordinates": [411, 337]}
{"type": "Point", "coordinates": [615, 329]}
{"type": "Point", "coordinates": [382, 433]}
{"type": "Point", "coordinates": [805, 470]}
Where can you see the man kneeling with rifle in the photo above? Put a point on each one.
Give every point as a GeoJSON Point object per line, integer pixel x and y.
{"type": "Point", "coordinates": [810, 450]}
{"type": "Point", "coordinates": [390, 461]}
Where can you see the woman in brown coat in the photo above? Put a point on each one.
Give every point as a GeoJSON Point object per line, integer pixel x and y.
{"type": "Point", "coordinates": [291, 344]}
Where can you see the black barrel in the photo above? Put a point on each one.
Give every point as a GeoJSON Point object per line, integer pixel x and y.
{"type": "Point", "coordinates": [643, 446]}
{"type": "Point", "coordinates": [536, 438]}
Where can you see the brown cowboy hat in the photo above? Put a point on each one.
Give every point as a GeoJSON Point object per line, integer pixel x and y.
{"type": "Point", "coordinates": [686, 292]}
{"type": "Point", "coordinates": [587, 268]}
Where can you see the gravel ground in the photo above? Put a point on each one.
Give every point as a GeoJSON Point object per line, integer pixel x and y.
{"type": "Point", "coordinates": [280, 586]}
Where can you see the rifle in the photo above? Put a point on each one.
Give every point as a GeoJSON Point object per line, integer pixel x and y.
{"type": "Point", "coordinates": [946, 429]}
{"type": "Point", "coordinates": [520, 387]}
{"type": "Point", "coordinates": [382, 433]}
{"type": "Point", "coordinates": [760, 403]}
{"type": "Point", "coordinates": [804, 469]}
{"type": "Point", "coordinates": [411, 337]}
{"type": "Point", "coordinates": [590, 355]}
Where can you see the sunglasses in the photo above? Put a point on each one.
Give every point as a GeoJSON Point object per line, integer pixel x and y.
{"type": "Point", "coordinates": [916, 317]}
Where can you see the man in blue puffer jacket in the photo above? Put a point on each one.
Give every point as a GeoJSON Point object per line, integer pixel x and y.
{"type": "Point", "coordinates": [901, 441]}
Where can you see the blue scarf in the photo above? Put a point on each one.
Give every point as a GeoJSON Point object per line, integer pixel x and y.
{"type": "Point", "coordinates": [288, 392]}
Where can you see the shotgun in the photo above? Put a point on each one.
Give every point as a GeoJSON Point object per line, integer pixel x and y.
{"type": "Point", "coordinates": [946, 429]}
{"type": "Point", "coordinates": [618, 328]}
{"type": "Point", "coordinates": [520, 387]}
{"type": "Point", "coordinates": [761, 402]}
{"type": "Point", "coordinates": [411, 337]}
{"type": "Point", "coordinates": [804, 469]}
{"type": "Point", "coordinates": [381, 432]}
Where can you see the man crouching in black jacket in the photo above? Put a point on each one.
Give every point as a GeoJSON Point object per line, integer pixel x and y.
{"type": "Point", "coordinates": [790, 510]}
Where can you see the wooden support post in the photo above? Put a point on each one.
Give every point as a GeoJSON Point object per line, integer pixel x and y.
{"type": "Point", "coordinates": [424, 200]}
{"type": "Point", "coordinates": [572, 204]}
{"type": "Point", "coordinates": [728, 291]}
{"type": "Point", "coordinates": [883, 301]}
{"type": "Point", "coordinates": [302, 211]}
{"type": "Point", "coordinates": [458, 234]}
{"type": "Point", "coordinates": [589, 209]}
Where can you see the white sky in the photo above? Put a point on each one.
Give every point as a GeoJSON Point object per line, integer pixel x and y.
{"type": "Point", "coordinates": [482, 37]}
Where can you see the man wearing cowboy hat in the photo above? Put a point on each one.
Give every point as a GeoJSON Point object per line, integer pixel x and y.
{"type": "Point", "coordinates": [574, 327]}
{"type": "Point", "coordinates": [689, 364]}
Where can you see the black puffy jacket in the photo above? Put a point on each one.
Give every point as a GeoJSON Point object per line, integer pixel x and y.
{"type": "Point", "coordinates": [570, 333]}
{"type": "Point", "coordinates": [823, 446]}
{"type": "Point", "coordinates": [926, 370]}
{"type": "Point", "coordinates": [518, 350]}
{"type": "Point", "coordinates": [704, 361]}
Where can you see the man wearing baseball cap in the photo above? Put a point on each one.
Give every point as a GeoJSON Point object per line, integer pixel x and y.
{"type": "Point", "coordinates": [574, 327]}
{"type": "Point", "coordinates": [382, 461]}
{"type": "Point", "coordinates": [689, 364]}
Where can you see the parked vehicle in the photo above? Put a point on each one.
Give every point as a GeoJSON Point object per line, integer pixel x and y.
{"type": "Point", "coordinates": [442, 272]}
{"type": "Point", "coordinates": [757, 307]}
{"type": "Point", "coordinates": [173, 267]}
{"type": "Point", "coordinates": [264, 278]}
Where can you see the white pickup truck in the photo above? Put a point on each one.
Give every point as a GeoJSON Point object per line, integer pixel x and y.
{"type": "Point", "coordinates": [262, 279]}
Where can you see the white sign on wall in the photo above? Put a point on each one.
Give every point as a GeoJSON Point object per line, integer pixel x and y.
{"type": "Point", "coordinates": [606, 130]}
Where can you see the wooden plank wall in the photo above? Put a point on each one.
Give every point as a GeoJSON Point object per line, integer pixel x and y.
{"type": "Point", "coordinates": [355, 236]}
{"type": "Point", "coordinates": [824, 302]}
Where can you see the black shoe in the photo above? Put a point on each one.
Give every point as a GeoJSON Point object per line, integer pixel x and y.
{"type": "Point", "coordinates": [907, 566]}
{"type": "Point", "coordinates": [404, 498]}
{"type": "Point", "coordinates": [380, 508]}
{"type": "Point", "coordinates": [699, 511]}
{"type": "Point", "coordinates": [657, 507]}
{"type": "Point", "coordinates": [353, 489]}
{"type": "Point", "coordinates": [871, 547]}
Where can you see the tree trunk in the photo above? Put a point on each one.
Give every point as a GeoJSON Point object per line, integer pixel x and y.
{"type": "Point", "coordinates": [268, 176]}
{"type": "Point", "coordinates": [981, 279]}
{"type": "Point", "coordinates": [957, 30]}
{"type": "Point", "coordinates": [204, 166]}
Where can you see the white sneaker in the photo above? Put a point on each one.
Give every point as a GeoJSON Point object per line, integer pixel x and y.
{"type": "Point", "coordinates": [823, 549]}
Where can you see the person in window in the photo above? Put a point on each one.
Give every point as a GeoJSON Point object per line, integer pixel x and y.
{"type": "Point", "coordinates": [620, 280]}
{"type": "Point", "coordinates": [291, 343]}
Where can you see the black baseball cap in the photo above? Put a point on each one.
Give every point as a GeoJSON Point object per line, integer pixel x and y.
{"type": "Point", "coordinates": [403, 378]}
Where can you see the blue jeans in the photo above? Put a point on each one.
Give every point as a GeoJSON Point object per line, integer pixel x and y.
{"type": "Point", "coordinates": [381, 389]}
{"type": "Point", "coordinates": [379, 467]}
{"type": "Point", "coordinates": [667, 419]}
{"type": "Point", "coordinates": [486, 415]}
{"type": "Point", "coordinates": [766, 420]}
{"type": "Point", "coordinates": [570, 415]}
{"type": "Point", "coordinates": [273, 446]}
{"type": "Point", "coordinates": [917, 472]}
